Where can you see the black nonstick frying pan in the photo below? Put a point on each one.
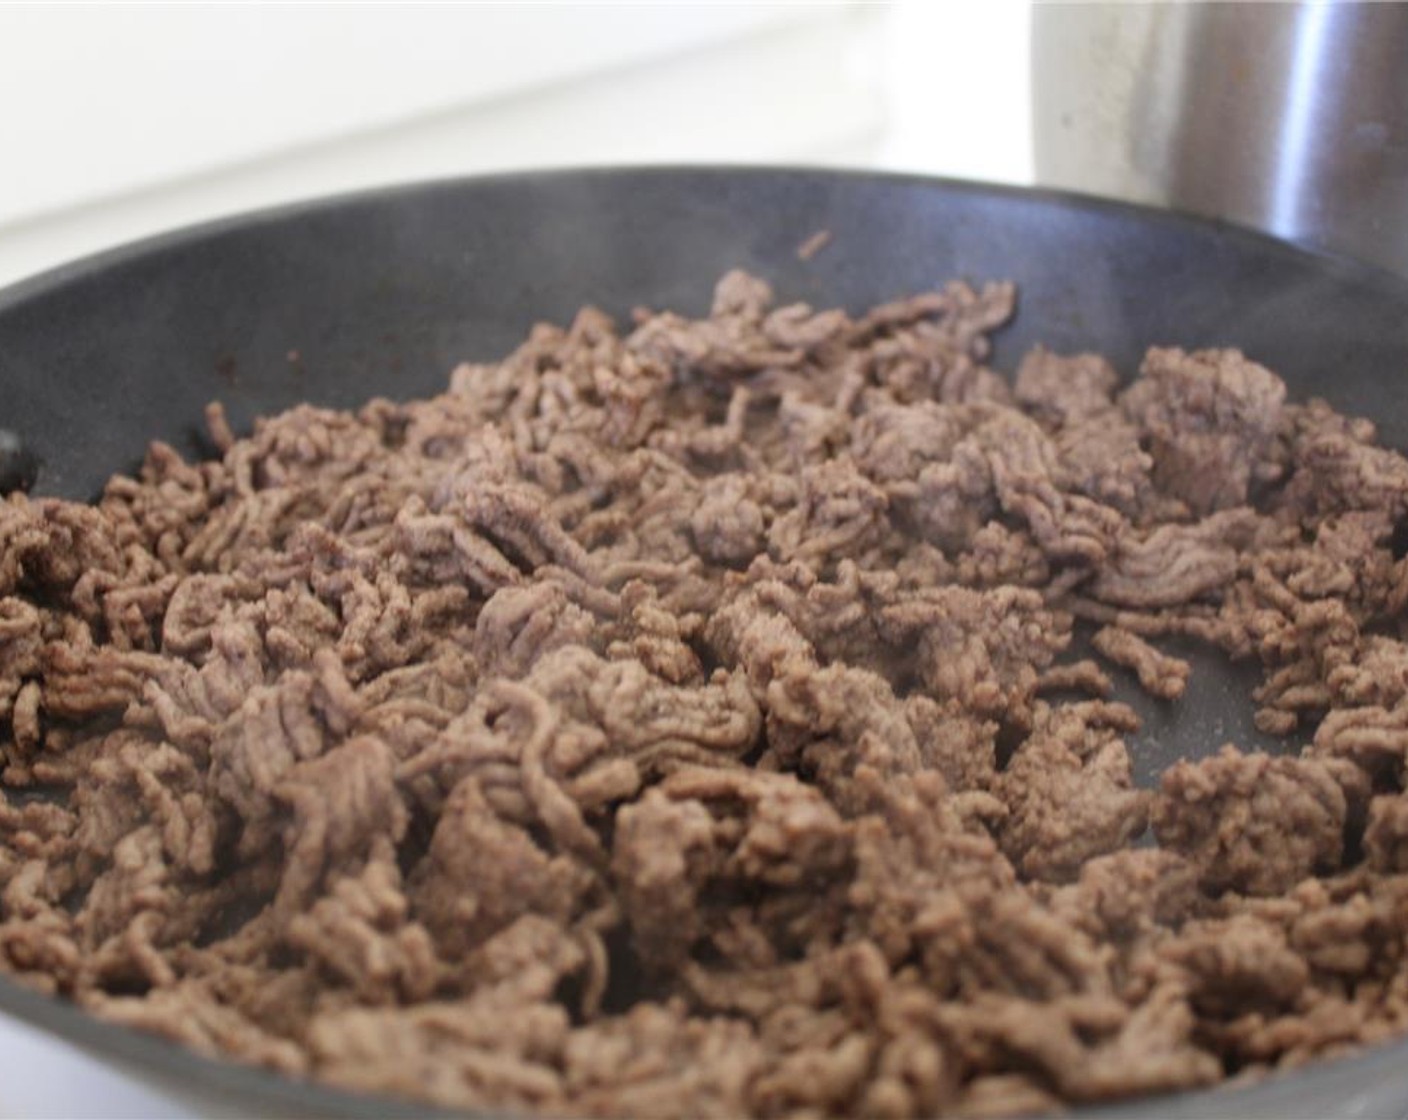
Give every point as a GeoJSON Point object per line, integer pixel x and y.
{"type": "Point", "coordinates": [381, 293]}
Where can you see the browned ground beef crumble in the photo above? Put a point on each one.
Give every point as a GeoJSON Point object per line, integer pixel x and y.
{"type": "Point", "coordinates": [687, 722]}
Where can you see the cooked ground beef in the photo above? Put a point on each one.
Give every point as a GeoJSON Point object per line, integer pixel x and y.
{"type": "Point", "coordinates": [694, 721]}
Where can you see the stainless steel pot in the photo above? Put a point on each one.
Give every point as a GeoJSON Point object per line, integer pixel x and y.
{"type": "Point", "coordinates": [1292, 118]}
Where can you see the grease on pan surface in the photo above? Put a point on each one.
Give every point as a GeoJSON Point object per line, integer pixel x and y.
{"type": "Point", "coordinates": [685, 722]}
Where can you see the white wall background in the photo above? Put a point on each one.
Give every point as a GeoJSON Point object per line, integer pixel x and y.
{"type": "Point", "coordinates": [122, 120]}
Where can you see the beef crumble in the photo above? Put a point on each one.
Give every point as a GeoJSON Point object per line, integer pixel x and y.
{"type": "Point", "coordinates": [678, 722]}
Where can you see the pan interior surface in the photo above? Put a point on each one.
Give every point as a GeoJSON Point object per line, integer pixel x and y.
{"type": "Point", "coordinates": [381, 294]}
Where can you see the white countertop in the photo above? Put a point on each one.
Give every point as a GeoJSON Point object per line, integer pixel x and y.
{"type": "Point", "coordinates": [136, 120]}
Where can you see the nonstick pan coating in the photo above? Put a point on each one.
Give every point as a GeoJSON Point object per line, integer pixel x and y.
{"type": "Point", "coordinates": [381, 293]}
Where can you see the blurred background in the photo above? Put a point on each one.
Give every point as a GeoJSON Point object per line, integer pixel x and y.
{"type": "Point", "coordinates": [124, 120]}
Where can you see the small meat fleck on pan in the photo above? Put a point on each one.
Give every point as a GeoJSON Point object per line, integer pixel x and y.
{"type": "Point", "coordinates": [813, 244]}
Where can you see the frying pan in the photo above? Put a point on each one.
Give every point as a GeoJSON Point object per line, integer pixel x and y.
{"type": "Point", "coordinates": [381, 293]}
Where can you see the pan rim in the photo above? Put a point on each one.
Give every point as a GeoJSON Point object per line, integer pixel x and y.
{"type": "Point", "coordinates": [178, 1070]}
{"type": "Point", "coordinates": [66, 272]}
